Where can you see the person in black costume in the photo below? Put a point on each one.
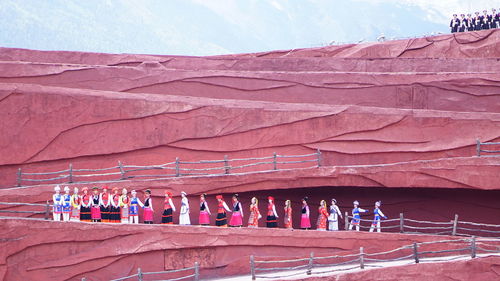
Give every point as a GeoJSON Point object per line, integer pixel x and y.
{"type": "Point", "coordinates": [463, 23]}
{"type": "Point", "coordinates": [454, 23]}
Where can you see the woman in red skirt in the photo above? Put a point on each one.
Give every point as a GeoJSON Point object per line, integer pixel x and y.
{"type": "Point", "coordinates": [237, 215]}
{"type": "Point", "coordinates": [323, 216]}
{"type": "Point", "coordinates": [272, 215]}
{"type": "Point", "coordinates": [305, 222]}
{"type": "Point", "coordinates": [148, 208]}
{"type": "Point", "coordinates": [85, 212]}
{"type": "Point", "coordinates": [288, 214]}
{"type": "Point", "coordinates": [222, 208]}
{"type": "Point", "coordinates": [114, 210]}
{"type": "Point", "coordinates": [95, 201]}
{"type": "Point", "coordinates": [167, 217]}
{"type": "Point", "coordinates": [204, 218]}
{"type": "Point", "coordinates": [253, 220]}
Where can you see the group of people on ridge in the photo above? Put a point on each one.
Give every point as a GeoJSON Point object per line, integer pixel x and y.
{"type": "Point", "coordinates": [478, 22]}
{"type": "Point", "coordinates": [121, 208]}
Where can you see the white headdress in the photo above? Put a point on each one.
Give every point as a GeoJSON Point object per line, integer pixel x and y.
{"type": "Point", "coordinates": [57, 188]}
{"type": "Point", "coordinates": [66, 188]}
{"type": "Point", "coordinates": [378, 203]}
{"type": "Point", "coordinates": [355, 202]}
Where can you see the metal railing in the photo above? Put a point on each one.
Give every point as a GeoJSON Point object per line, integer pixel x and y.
{"type": "Point", "coordinates": [479, 150]}
{"type": "Point", "coordinates": [140, 275]}
{"type": "Point", "coordinates": [177, 168]}
{"type": "Point", "coordinates": [411, 226]}
{"type": "Point", "coordinates": [414, 253]}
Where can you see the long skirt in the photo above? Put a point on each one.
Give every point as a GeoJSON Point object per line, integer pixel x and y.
{"type": "Point", "coordinates": [221, 220]}
{"type": "Point", "coordinates": [236, 219]}
{"type": "Point", "coordinates": [167, 218]}
{"type": "Point", "coordinates": [57, 209]}
{"type": "Point", "coordinates": [271, 222]}
{"type": "Point", "coordinates": [204, 218]}
{"type": "Point", "coordinates": [85, 214]}
{"type": "Point", "coordinates": [148, 215]}
{"type": "Point", "coordinates": [75, 214]}
{"type": "Point", "coordinates": [66, 209]}
{"type": "Point", "coordinates": [288, 222]}
{"type": "Point", "coordinates": [253, 220]}
{"type": "Point", "coordinates": [184, 219]}
{"type": "Point", "coordinates": [105, 213]}
{"type": "Point", "coordinates": [333, 225]}
{"type": "Point", "coordinates": [305, 222]}
{"type": "Point", "coordinates": [95, 213]}
{"type": "Point", "coordinates": [124, 215]}
{"type": "Point", "coordinates": [114, 214]}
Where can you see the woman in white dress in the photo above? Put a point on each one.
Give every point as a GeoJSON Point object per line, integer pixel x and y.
{"type": "Point", "coordinates": [184, 216]}
{"type": "Point", "coordinates": [333, 219]}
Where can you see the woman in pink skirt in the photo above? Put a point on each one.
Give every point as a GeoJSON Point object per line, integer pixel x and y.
{"type": "Point", "coordinates": [237, 215]}
{"type": "Point", "coordinates": [204, 218]}
{"type": "Point", "coordinates": [148, 208]}
{"type": "Point", "coordinates": [95, 209]}
{"type": "Point", "coordinates": [305, 222]}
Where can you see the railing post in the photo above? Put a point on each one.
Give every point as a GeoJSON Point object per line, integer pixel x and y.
{"type": "Point", "coordinates": [346, 217]}
{"type": "Point", "coordinates": [401, 223]}
{"type": "Point", "coordinates": [19, 174]}
{"type": "Point", "coordinates": [455, 222]}
{"type": "Point", "coordinates": [196, 271]}
{"type": "Point", "coordinates": [177, 169]}
{"type": "Point", "coordinates": [361, 258]}
{"type": "Point", "coordinates": [252, 267]}
{"type": "Point", "coordinates": [311, 264]}
{"type": "Point", "coordinates": [415, 253]}
{"type": "Point", "coordinates": [70, 173]}
{"type": "Point", "coordinates": [275, 158]}
{"type": "Point", "coordinates": [473, 247]}
{"type": "Point", "coordinates": [47, 210]}
{"type": "Point", "coordinates": [478, 148]}
{"type": "Point", "coordinates": [226, 165]}
{"type": "Point", "coordinates": [139, 274]}
{"type": "Point", "coordinates": [319, 157]}
{"type": "Point", "coordinates": [121, 170]}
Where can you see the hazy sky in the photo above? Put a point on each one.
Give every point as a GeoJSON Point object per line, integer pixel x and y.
{"type": "Point", "coordinates": [209, 27]}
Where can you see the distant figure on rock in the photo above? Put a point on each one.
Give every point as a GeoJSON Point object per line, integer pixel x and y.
{"type": "Point", "coordinates": [184, 218]}
{"type": "Point", "coordinates": [288, 214]}
{"type": "Point", "coordinates": [477, 21]}
{"type": "Point", "coordinates": [124, 206]}
{"type": "Point", "coordinates": [305, 222]}
{"type": "Point", "coordinates": [322, 216]}
{"type": "Point", "coordinates": [95, 201]}
{"type": "Point", "coordinates": [463, 23]}
{"type": "Point", "coordinates": [237, 215]}
{"type": "Point", "coordinates": [485, 24]}
{"type": "Point", "coordinates": [66, 204]}
{"type": "Point", "coordinates": [454, 23]}
{"type": "Point", "coordinates": [114, 209]}
{"type": "Point", "coordinates": [222, 210]}
{"type": "Point", "coordinates": [169, 208]}
{"type": "Point", "coordinates": [58, 201]}
{"type": "Point", "coordinates": [85, 210]}
{"type": "Point", "coordinates": [333, 219]}
{"type": "Point", "coordinates": [376, 220]}
{"type": "Point", "coordinates": [495, 18]}
{"type": "Point", "coordinates": [204, 218]}
{"type": "Point", "coordinates": [253, 220]}
{"type": "Point", "coordinates": [470, 22]}
{"type": "Point", "coordinates": [75, 205]}
{"type": "Point", "coordinates": [272, 215]}
{"type": "Point", "coordinates": [355, 215]}
{"type": "Point", "coordinates": [135, 202]}
{"type": "Point", "coordinates": [148, 208]}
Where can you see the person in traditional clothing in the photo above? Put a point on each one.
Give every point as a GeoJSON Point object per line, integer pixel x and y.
{"type": "Point", "coordinates": [148, 208]}
{"type": "Point", "coordinates": [322, 216]}
{"type": "Point", "coordinates": [494, 18]}
{"type": "Point", "coordinates": [253, 219]}
{"type": "Point", "coordinates": [305, 222]}
{"type": "Point", "coordinates": [104, 204]}
{"type": "Point", "coordinates": [114, 210]}
{"type": "Point", "coordinates": [356, 216]}
{"type": "Point", "coordinates": [85, 210]}
{"type": "Point", "coordinates": [66, 205]}
{"type": "Point", "coordinates": [58, 202]}
{"type": "Point", "coordinates": [95, 201]}
{"type": "Point", "coordinates": [288, 214]}
{"type": "Point", "coordinates": [463, 23]}
{"type": "Point", "coordinates": [204, 218]}
{"type": "Point", "coordinates": [135, 203]}
{"type": "Point", "coordinates": [272, 215]}
{"type": "Point", "coordinates": [454, 23]}
{"type": "Point", "coordinates": [184, 218]}
{"type": "Point", "coordinates": [470, 22]}
{"type": "Point", "coordinates": [477, 21]}
{"type": "Point", "coordinates": [222, 210]}
{"type": "Point", "coordinates": [124, 206]}
{"type": "Point", "coordinates": [376, 220]}
{"type": "Point", "coordinates": [333, 219]}
{"type": "Point", "coordinates": [237, 214]}
{"type": "Point", "coordinates": [169, 208]}
{"type": "Point", "coordinates": [75, 205]}
{"type": "Point", "coordinates": [485, 24]}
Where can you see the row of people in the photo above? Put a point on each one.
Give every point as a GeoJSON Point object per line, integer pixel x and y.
{"type": "Point", "coordinates": [115, 208]}
{"type": "Point", "coordinates": [478, 22]}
